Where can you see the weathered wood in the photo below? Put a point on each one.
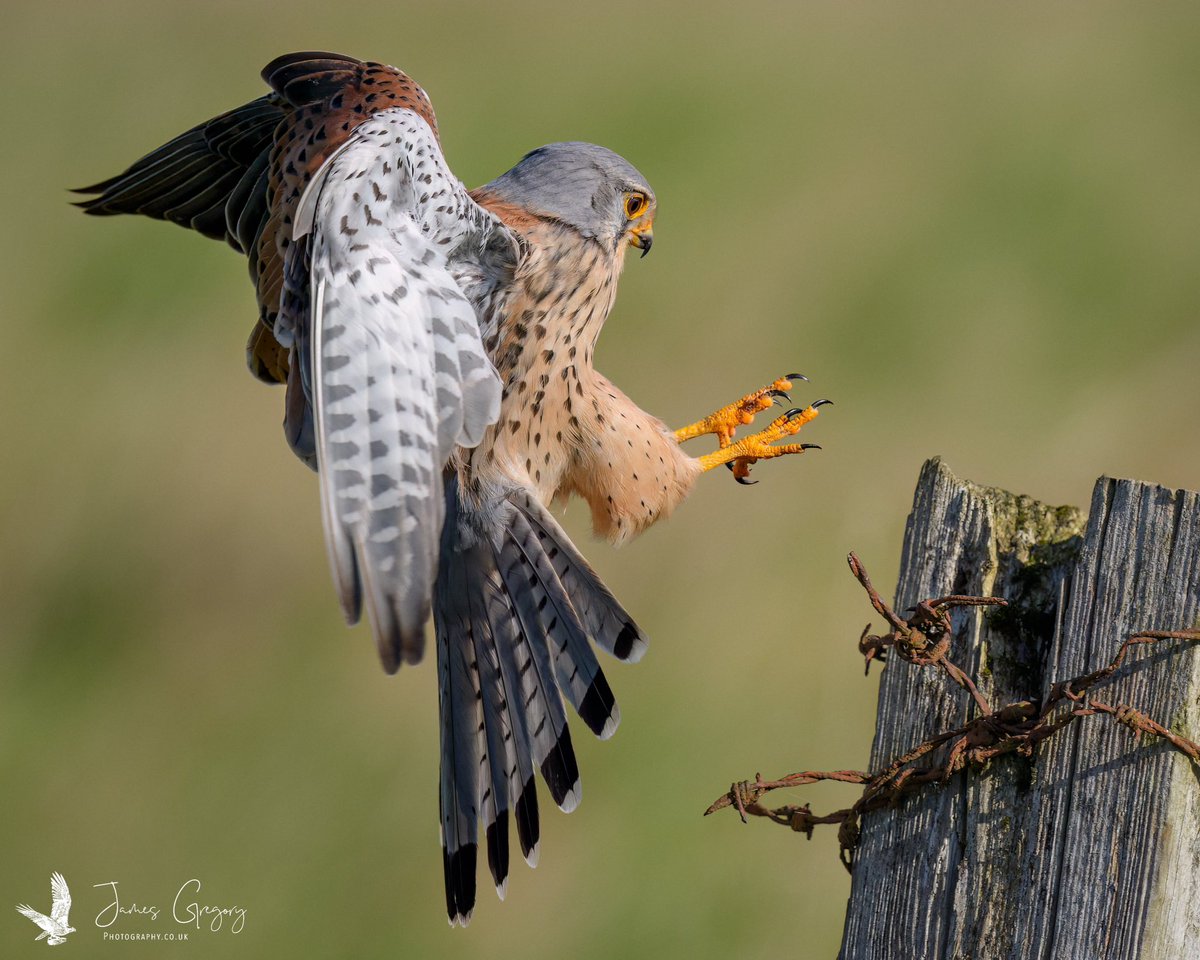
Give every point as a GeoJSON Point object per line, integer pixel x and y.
{"type": "Point", "coordinates": [1091, 849]}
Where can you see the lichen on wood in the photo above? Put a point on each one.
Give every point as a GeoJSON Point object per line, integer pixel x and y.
{"type": "Point", "coordinates": [997, 825]}
{"type": "Point", "coordinates": [1091, 848]}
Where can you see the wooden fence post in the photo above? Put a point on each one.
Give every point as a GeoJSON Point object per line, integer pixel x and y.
{"type": "Point", "coordinates": [1090, 850]}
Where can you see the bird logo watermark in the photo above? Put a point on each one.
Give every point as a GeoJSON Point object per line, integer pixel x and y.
{"type": "Point", "coordinates": [54, 927]}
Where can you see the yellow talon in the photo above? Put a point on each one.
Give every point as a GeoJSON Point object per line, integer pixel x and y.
{"type": "Point", "coordinates": [724, 422]}
{"type": "Point", "coordinates": [747, 451]}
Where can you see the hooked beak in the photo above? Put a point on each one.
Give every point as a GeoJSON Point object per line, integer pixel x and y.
{"type": "Point", "coordinates": [643, 240]}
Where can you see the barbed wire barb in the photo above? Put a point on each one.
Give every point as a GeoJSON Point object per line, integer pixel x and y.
{"type": "Point", "coordinates": [923, 639]}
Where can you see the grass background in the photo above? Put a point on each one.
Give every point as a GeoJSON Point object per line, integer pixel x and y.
{"type": "Point", "coordinates": [973, 226]}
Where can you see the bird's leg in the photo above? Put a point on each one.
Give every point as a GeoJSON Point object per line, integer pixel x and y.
{"type": "Point", "coordinates": [724, 422]}
{"type": "Point", "coordinates": [742, 454]}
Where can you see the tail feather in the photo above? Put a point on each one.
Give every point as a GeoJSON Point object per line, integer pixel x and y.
{"type": "Point", "coordinates": [503, 788]}
{"type": "Point", "coordinates": [522, 789]}
{"type": "Point", "coordinates": [607, 622]}
{"type": "Point", "coordinates": [532, 676]}
{"type": "Point", "coordinates": [575, 666]}
{"type": "Point", "coordinates": [463, 751]}
{"type": "Point", "coordinates": [515, 608]}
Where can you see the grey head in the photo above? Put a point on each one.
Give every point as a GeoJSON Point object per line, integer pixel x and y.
{"type": "Point", "coordinates": [588, 187]}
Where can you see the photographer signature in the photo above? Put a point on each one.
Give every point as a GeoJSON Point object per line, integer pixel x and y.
{"type": "Point", "coordinates": [186, 909]}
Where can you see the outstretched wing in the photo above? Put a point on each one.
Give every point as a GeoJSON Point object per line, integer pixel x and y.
{"type": "Point", "coordinates": [61, 897]}
{"type": "Point", "coordinates": [239, 176]}
{"type": "Point", "coordinates": [40, 919]}
{"type": "Point", "coordinates": [365, 301]}
{"type": "Point", "coordinates": [399, 377]}
{"type": "Point", "coordinates": [211, 178]}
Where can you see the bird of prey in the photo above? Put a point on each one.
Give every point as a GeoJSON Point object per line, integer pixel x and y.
{"type": "Point", "coordinates": [436, 345]}
{"type": "Point", "coordinates": [55, 927]}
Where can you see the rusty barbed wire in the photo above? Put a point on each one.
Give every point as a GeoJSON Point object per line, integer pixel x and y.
{"type": "Point", "coordinates": [923, 639]}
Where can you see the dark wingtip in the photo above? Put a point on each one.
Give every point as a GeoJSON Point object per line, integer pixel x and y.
{"type": "Point", "coordinates": [99, 187]}
{"type": "Point", "coordinates": [94, 202]}
{"type": "Point", "coordinates": [92, 207]}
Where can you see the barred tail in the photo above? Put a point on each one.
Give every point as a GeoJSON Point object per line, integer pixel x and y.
{"type": "Point", "coordinates": [515, 611]}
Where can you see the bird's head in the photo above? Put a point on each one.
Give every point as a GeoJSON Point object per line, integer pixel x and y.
{"type": "Point", "coordinates": [590, 188]}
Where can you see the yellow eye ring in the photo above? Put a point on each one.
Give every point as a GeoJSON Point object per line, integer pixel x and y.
{"type": "Point", "coordinates": [635, 205]}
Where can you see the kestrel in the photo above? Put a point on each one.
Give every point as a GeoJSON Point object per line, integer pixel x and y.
{"type": "Point", "coordinates": [437, 349]}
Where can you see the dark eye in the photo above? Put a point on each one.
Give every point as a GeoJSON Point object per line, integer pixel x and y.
{"type": "Point", "coordinates": [635, 204]}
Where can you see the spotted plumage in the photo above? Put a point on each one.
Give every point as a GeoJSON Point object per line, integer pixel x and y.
{"type": "Point", "coordinates": [437, 348]}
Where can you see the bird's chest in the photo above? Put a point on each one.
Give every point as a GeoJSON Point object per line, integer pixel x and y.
{"type": "Point", "coordinates": [543, 353]}
{"type": "Point", "coordinates": [544, 405]}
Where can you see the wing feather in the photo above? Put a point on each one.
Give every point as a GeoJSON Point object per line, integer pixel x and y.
{"type": "Point", "coordinates": [186, 177]}
{"type": "Point", "coordinates": [239, 176]}
{"type": "Point", "coordinates": [400, 377]}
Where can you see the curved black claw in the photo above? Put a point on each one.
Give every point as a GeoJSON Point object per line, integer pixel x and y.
{"type": "Point", "coordinates": [821, 403]}
{"type": "Point", "coordinates": [795, 376]}
{"type": "Point", "coordinates": [777, 396]}
{"type": "Point", "coordinates": [810, 446]}
{"type": "Point", "coordinates": [794, 412]}
{"type": "Point", "coordinates": [744, 482]}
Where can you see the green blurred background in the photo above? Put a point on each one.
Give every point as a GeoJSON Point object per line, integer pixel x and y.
{"type": "Point", "coordinates": [974, 226]}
